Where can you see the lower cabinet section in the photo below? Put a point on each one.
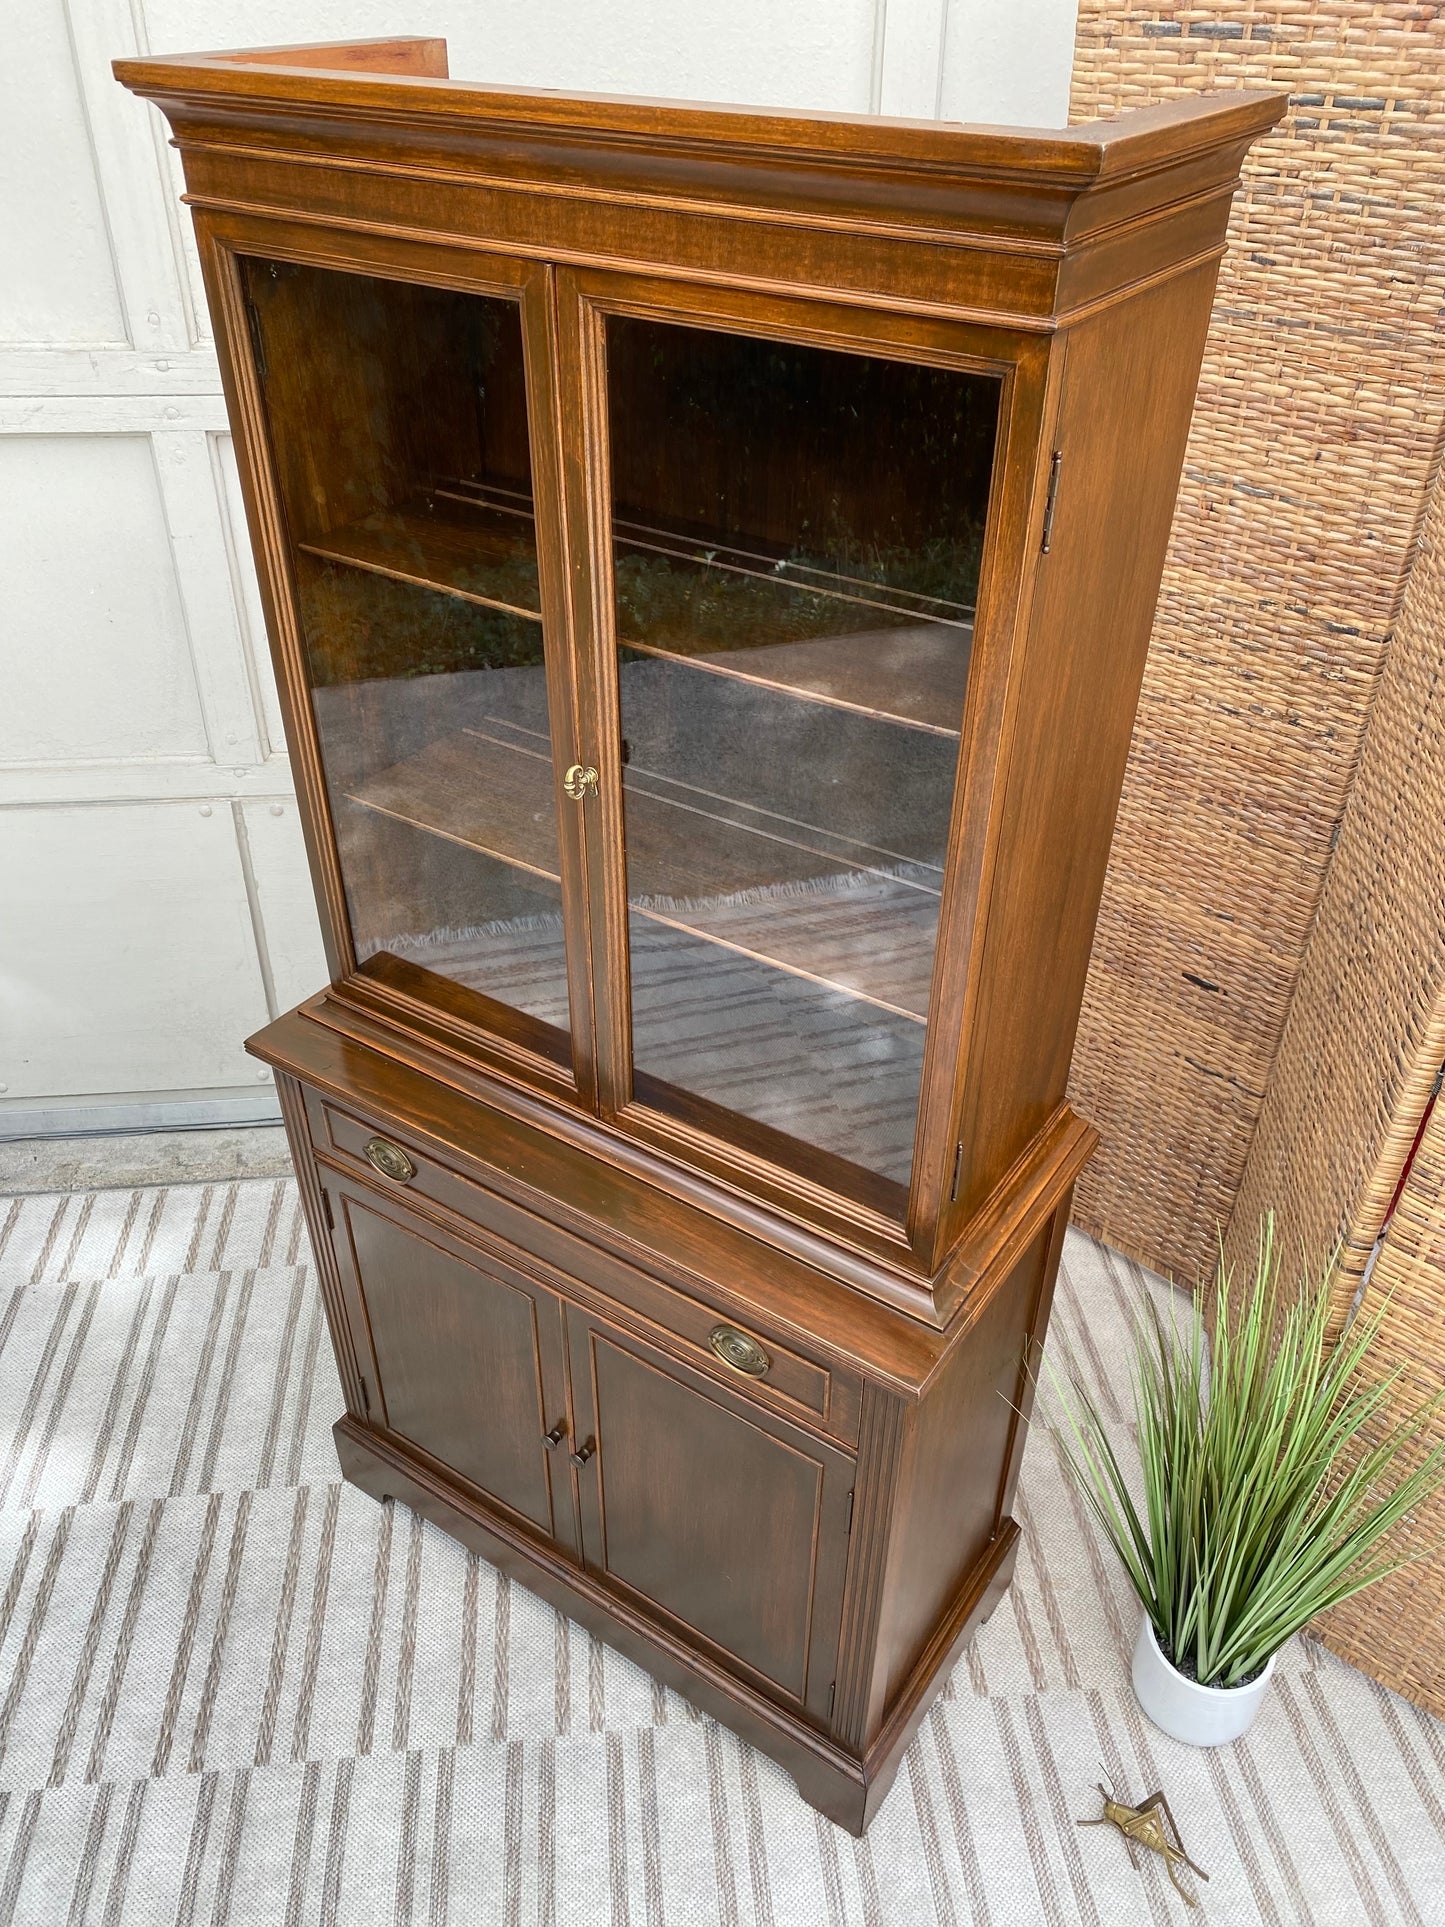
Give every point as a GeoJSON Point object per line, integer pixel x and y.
{"type": "Point", "coordinates": [799, 1532]}
{"type": "Point", "coordinates": [715, 1513]}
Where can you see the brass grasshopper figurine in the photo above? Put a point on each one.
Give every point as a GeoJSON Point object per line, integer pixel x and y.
{"type": "Point", "coordinates": [1142, 1826]}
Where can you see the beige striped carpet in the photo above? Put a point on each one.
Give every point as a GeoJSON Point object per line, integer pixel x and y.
{"type": "Point", "coordinates": [233, 1691]}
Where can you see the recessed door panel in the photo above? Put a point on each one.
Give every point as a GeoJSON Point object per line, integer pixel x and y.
{"type": "Point", "coordinates": [466, 1359]}
{"type": "Point", "coordinates": [727, 1520]}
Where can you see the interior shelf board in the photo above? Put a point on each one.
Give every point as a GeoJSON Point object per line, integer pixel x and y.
{"type": "Point", "coordinates": [781, 566]}
{"type": "Point", "coordinates": [824, 853]}
{"type": "Point", "coordinates": [914, 675]}
{"type": "Point", "coordinates": [783, 581]}
{"type": "Point", "coordinates": [434, 544]}
{"type": "Point", "coordinates": [698, 927]}
{"type": "Point", "coordinates": [495, 796]}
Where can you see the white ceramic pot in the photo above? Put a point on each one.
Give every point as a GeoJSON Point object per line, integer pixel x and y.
{"type": "Point", "coordinates": [1198, 1715]}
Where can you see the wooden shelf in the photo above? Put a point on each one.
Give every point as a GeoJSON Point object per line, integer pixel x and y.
{"type": "Point", "coordinates": [841, 914]}
{"type": "Point", "coordinates": [477, 551]}
{"type": "Point", "coordinates": [783, 569]}
{"type": "Point", "coordinates": [917, 676]}
{"type": "Point", "coordinates": [481, 547]}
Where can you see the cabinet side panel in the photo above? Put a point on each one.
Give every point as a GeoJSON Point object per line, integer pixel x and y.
{"type": "Point", "coordinates": [333, 1297]}
{"type": "Point", "coordinates": [256, 472]}
{"type": "Point", "coordinates": [956, 1472]}
{"type": "Point", "coordinates": [1124, 418]}
{"type": "Point", "coordinates": [883, 1446]}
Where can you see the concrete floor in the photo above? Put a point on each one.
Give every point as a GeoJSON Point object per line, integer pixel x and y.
{"type": "Point", "coordinates": [123, 1159]}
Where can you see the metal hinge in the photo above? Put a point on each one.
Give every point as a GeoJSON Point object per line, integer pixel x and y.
{"type": "Point", "coordinates": [850, 1511]}
{"type": "Point", "coordinates": [1055, 464]}
{"type": "Point", "coordinates": [365, 1395]}
{"type": "Point", "coordinates": [957, 1171]}
{"type": "Point", "coordinates": [326, 1207]}
{"type": "Point", "coordinates": [832, 1694]}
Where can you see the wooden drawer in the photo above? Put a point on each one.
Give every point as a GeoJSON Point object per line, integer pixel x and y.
{"type": "Point", "coordinates": [710, 1335]}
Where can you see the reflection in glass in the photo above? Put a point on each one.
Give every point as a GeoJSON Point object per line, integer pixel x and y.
{"type": "Point", "coordinates": [797, 537]}
{"type": "Point", "coordinates": [399, 429]}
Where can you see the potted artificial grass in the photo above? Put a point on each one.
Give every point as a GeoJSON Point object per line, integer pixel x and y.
{"type": "Point", "coordinates": [1265, 1499]}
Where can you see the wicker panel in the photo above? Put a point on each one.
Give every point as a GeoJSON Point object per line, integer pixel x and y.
{"type": "Point", "coordinates": [1396, 1630]}
{"type": "Point", "coordinates": [1314, 444]}
{"type": "Point", "coordinates": [1361, 1048]}
{"type": "Point", "coordinates": [1366, 1031]}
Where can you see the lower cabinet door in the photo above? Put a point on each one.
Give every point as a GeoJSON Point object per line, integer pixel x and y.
{"type": "Point", "coordinates": [716, 1514]}
{"type": "Point", "coordinates": [466, 1354]}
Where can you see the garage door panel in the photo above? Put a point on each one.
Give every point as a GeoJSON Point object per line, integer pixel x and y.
{"type": "Point", "coordinates": [127, 956]}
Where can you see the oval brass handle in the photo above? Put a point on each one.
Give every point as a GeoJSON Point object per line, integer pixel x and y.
{"type": "Point", "coordinates": [390, 1160]}
{"type": "Point", "coordinates": [583, 1452]}
{"type": "Point", "coordinates": [736, 1349]}
{"type": "Point", "coordinates": [580, 780]}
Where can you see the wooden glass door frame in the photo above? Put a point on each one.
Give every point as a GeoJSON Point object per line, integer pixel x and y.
{"type": "Point", "coordinates": [1019, 361]}
{"type": "Point", "coordinates": [223, 239]}
{"type": "Point", "coordinates": [563, 311]}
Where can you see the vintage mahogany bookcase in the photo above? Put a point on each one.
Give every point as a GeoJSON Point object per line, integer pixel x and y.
{"type": "Point", "coordinates": [709, 557]}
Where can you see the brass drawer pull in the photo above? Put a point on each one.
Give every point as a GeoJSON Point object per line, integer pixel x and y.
{"type": "Point", "coordinates": [580, 781]}
{"type": "Point", "coordinates": [390, 1160]}
{"type": "Point", "coordinates": [736, 1349]}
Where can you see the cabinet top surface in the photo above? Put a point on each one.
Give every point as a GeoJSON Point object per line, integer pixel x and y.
{"type": "Point", "coordinates": [407, 78]}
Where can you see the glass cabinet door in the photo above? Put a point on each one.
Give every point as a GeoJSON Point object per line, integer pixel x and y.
{"type": "Point", "coordinates": [399, 433]}
{"type": "Point", "coordinates": [797, 535]}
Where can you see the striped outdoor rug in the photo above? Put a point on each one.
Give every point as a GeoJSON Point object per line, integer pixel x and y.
{"type": "Point", "coordinates": [233, 1691]}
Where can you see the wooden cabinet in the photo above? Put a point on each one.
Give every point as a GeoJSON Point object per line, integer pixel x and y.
{"type": "Point", "coordinates": [709, 558]}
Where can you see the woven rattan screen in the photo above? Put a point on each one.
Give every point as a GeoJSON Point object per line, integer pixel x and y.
{"type": "Point", "coordinates": [1396, 1630]}
{"type": "Point", "coordinates": [1315, 439]}
{"type": "Point", "coordinates": [1363, 1044]}
{"type": "Point", "coordinates": [1366, 1030]}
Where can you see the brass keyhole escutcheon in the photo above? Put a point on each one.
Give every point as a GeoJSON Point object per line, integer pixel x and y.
{"type": "Point", "coordinates": [390, 1160]}
{"type": "Point", "coordinates": [736, 1349]}
{"type": "Point", "coordinates": [580, 781]}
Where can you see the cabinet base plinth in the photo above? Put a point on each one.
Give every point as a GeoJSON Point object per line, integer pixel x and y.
{"type": "Point", "coordinates": [846, 1788]}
